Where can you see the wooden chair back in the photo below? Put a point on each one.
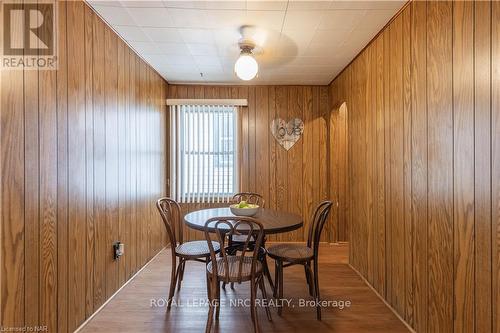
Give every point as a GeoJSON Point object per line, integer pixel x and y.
{"type": "Point", "coordinates": [249, 197]}
{"type": "Point", "coordinates": [170, 212]}
{"type": "Point", "coordinates": [225, 228]}
{"type": "Point", "coordinates": [318, 222]}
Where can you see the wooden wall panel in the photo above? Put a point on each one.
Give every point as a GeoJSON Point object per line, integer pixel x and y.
{"type": "Point", "coordinates": [48, 196]}
{"type": "Point", "coordinates": [31, 196]}
{"type": "Point", "coordinates": [66, 138]}
{"type": "Point", "coordinates": [76, 164]}
{"type": "Point", "coordinates": [495, 162]}
{"type": "Point", "coordinates": [62, 171]}
{"type": "Point", "coordinates": [436, 161]}
{"type": "Point", "coordinates": [440, 164]}
{"type": "Point", "coordinates": [419, 162]}
{"type": "Point", "coordinates": [89, 165]}
{"type": "Point", "coordinates": [463, 165]}
{"type": "Point", "coordinates": [12, 197]}
{"type": "Point", "coordinates": [482, 165]}
{"type": "Point", "coordinates": [294, 180]}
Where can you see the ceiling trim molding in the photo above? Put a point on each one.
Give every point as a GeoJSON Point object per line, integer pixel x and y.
{"type": "Point", "coordinates": [232, 102]}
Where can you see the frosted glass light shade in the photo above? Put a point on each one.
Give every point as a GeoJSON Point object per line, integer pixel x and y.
{"type": "Point", "coordinates": [246, 67]}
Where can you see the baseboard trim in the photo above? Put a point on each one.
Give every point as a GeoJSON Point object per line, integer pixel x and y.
{"type": "Point", "coordinates": [82, 325]}
{"type": "Point", "coordinates": [382, 299]}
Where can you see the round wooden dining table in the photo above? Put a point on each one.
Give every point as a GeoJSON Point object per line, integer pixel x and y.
{"type": "Point", "coordinates": [273, 221]}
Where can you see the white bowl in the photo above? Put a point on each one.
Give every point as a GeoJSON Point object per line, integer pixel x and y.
{"type": "Point", "coordinates": [243, 211]}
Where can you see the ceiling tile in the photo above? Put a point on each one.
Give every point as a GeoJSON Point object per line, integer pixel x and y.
{"type": "Point", "coordinates": [298, 37]}
{"type": "Point", "coordinates": [225, 4]}
{"type": "Point", "coordinates": [224, 19]}
{"type": "Point", "coordinates": [309, 5]}
{"type": "Point", "coordinates": [342, 19]}
{"type": "Point", "coordinates": [151, 17]}
{"type": "Point", "coordinates": [297, 20]}
{"type": "Point", "coordinates": [170, 35]}
{"type": "Point", "coordinates": [333, 37]}
{"type": "Point", "coordinates": [144, 48]}
{"type": "Point", "coordinates": [142, 4]}
{"type": "Point", "coordinates": [182, 77]}
{"type": "Point", "coordinates": [158, 61]}
{"type": "Point", "coordinates": [393, 5]}
{"type": "Point", "coordinates": [202, 49]}
{"type": "Point", "coordinates": [189, 18]}
{"type": "Point", "coordinates": [211, 69]}
{"type": "Point", "coordinates": [110, 3]}
{"type": "Point", "coordinates": [197, 35]}
{"type": "Point", "coordinates": [114, 15]}
{"type": "Point", "coordinates": [207, 60]}
{"type": "Point", "coordinates": [173, 48]}
{"type": "Point", "coordinates": [131, 33]}
{"type": "Point", "coordinates": [266, 20]}
{"type": "Point", "coordinates": [375, 20]}
{"type": "Point", "coordinates": [180, 60]}
{"type": "Point", "coordinates": [266, 5]}
{"type": "Point", "coordinates": [297, 42]}
{"type": "Point", "coordinates": [218, 77]}
{"type": "Point", "coordinates": [185, 4]}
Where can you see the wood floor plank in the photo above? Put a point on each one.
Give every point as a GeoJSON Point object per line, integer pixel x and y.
{"type": "Point", "coordinates": [152, 284]}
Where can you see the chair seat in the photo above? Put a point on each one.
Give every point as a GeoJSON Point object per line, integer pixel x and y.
{"type": "Point", "coordinates": [196, 249]}
{"type": "Point", "coordinates": [234, 266]}
{"type": "Point", "coordinates": [242, 239]}
{"type": "Point", "coordinates": [290, 252]}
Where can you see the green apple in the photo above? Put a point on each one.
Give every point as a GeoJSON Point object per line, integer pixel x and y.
{"type": "Point", "coordinates": [242, 204]}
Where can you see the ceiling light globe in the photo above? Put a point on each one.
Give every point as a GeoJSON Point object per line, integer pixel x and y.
{"type": "Point", "coordinates": [246, 67]}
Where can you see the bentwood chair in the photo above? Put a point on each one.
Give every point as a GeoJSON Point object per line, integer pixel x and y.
{"type": "Point", "coordinates": [236, 242]}
{"type": "Point", "coordinates": [170, 212]}
{"type": "Point", "coordinates": [249, 197]}
{"type": "Point", "coordinates": [227, 268]}
{"type": "Point", "coordinates": [288, 254]}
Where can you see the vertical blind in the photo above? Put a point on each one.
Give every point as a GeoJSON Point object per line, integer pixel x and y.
{"type": "Point", "coordinates": [203, 142]}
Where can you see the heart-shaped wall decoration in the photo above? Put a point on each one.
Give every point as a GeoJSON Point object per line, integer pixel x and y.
{"type": "Point", "coordinates": [287, 134]}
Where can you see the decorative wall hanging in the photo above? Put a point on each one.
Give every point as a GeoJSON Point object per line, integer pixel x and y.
{"type": "Point", "coordinates": [287, 134]}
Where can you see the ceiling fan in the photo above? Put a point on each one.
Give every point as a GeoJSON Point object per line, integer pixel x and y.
{"type": "Point", "coordinates": [246, 67]}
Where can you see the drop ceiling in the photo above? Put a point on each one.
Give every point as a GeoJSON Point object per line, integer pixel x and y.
{"type": "Point", "coordinates": [298, 42]}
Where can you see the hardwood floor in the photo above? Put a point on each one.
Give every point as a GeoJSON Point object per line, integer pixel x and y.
{"type": "Point", "coordinates": [132, 311]}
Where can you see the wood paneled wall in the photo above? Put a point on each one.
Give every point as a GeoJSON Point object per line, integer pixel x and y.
{"type": "Point", "coordinates": [292, 181]}
{"type": "Point", "coordinates": [83, 159]}
{"type": "Point", "coordinates": [423, 104]}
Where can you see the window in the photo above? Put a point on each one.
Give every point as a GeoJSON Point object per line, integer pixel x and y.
{"type": "Point", "coordinates": [203, 152]}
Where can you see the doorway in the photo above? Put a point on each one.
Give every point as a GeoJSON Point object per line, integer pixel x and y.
{"type": "Point", "coordinates": [338, 172]}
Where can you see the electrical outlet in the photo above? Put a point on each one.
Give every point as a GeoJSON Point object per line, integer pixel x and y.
{"type": "Point", "coordinates": [119, 250]}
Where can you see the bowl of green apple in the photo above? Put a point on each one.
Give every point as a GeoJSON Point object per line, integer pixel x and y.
{"type": "Point", "coordinates": [244, 208]}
